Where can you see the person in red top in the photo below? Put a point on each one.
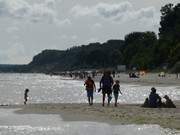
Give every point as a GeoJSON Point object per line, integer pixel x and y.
{"type": "Point", "coordinates": [90, 88]}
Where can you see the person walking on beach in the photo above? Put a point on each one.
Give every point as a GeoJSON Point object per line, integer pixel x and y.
{"type": "Point", "coordinates": [106, 84]}
{"type": "Point", "coordinates": [26, 96]}
{"type": "Point", "coordinates": [116, 91]}
{"type": "Point", "coordinates": [90, 88]}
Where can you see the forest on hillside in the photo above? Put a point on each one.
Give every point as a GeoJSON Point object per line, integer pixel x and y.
{"type": "Point", "coordinates": [143, 50]}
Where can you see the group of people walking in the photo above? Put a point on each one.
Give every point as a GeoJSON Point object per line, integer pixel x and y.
{"type": "Point", "coordinates": [107, 86]}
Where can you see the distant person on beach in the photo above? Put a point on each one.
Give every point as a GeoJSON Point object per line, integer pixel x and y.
{"type": "Point", "coordinates": [154, 99]}
{"type": "Point", "coordinates": [133, 75]}
{"type": "Point", "coordinates": [116, 91]}
{"type": "Point", "coordinates": [90, 88]}
{"type": "Point", "coordinates": [168, 103]}
{"type": "Point", "coordinates": [26, 96]}
{"type": "Point", "coordinates": [106, 83]}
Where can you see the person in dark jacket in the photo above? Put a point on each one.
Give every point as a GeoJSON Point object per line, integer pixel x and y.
{"type": "Point", "coordinates": [154, 99]}
{"type": "Point", "coordinates": [106, 85]}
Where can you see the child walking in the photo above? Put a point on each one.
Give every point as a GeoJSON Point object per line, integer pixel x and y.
{"type": "Point", "coordinates": [26, 96]}
{"type": "Point", "coordinates": [116, 91]}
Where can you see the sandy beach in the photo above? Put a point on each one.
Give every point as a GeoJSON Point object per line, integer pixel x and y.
{"type": "Point", "coordinates": [54, 98]}
{"type": "Point", "coordinates": [147, 79]}
{"type": "Point", "coordinates": [123, 114]}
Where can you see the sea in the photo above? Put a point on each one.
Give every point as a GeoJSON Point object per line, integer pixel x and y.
{"type": "Point", "coordinates": [56, 89]}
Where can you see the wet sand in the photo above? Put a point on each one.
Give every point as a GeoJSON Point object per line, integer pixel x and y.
{"type": "Point", "coordinates": [123, 114]}
{"type": "Point", "coordinates": [147, 79]}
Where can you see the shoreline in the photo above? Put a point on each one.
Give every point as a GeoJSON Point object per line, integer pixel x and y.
{"type": "Point", "coordinates": [147, 79]}
{"type": "Point", "coordinates": [124, 114]}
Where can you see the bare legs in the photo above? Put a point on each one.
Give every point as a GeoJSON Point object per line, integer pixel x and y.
{"type": "Point", "coordinates": [109, 99]}
{"type": "Point", "coordinates": [25, 101]}
{"type": "Point", "coordinates": [115, 104]}
{"type": "Point", "coordinates": [90, 100]}
{"type": "Point", "coordinates": [104, 95]}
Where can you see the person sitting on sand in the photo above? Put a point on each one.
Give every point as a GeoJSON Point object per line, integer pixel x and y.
{"type": "Point", "coordinates": [26, 95]}
{"type": "Point", "coordinates": [106, 84]}
{"type": "Point", "coordinates": [154, 99]}
{"type": "Point", "coordinates": [90, 88]}
{"type": "Point", "coordinates": [116, 91]}
{"type": "Point", "coordinates": [168, 103]}
{"type": "Point", "coordinates": [146, 103]}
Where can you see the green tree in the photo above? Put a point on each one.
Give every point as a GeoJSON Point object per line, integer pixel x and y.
{"type": "Point", "coordinates": [169, 34]}
{"type": "Point", "coordinates": [139, 49]}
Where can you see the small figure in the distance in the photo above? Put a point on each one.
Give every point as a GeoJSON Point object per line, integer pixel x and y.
{"type": "Point", "coordinates": [26, 96]}
{"type": "Point", "coordinates": [116, 91]}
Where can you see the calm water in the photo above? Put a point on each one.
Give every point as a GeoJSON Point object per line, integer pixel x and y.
{"type": "Point", "coordinates": [55, 89]}
{"type": "Point", "coordinates": [33, 124]}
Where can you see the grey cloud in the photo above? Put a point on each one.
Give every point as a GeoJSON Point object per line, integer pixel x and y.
{"type": "Point", "coordinates": [42, 10]}
{"type": "Point", "coordinates": [102, 9]}
{"type": "Point", "coordinates": [123, 11]}
{"type": "Point", "coordinates": [112, 10]}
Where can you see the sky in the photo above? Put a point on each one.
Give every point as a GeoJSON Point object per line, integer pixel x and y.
{"type": "Point", "coordinates": [29, 26]}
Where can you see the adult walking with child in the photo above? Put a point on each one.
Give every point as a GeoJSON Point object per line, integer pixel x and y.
{"type": "Point", "coordinates": [106, 83]}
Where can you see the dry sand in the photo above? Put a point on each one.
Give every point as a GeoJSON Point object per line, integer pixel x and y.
{"type": "Point", "coordinates": [123, 114]}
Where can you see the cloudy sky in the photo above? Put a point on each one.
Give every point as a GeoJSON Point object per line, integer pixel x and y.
{"type": "Point", "coordinates": [29, 26]}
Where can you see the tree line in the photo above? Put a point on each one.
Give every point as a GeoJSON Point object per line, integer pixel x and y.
{"type": "Point", "coordinates": [143, 50]}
